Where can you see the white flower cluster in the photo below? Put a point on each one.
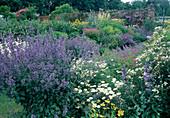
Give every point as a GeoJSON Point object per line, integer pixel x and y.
{"type": "Point", "coordinates": [159, 49]}
{"type": "Point", "coordinates": [81, 67]}
{"type": "Point", "coordinates": [102, 88]}
{"type": "Point", "coordinates": [103, 16]}
{"type": "Point", "coordinates": [15, 43]}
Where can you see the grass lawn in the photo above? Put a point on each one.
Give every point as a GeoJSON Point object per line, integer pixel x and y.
{"type": "Point", "coordinates": [8, 107]}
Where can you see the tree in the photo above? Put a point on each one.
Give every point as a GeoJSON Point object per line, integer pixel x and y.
{"type": "Point", "coordinates": [164, 4]}
{"type": "Point", "coordinates": [5, 11]}
{"type": "Point", "coordinates": [139, 4]}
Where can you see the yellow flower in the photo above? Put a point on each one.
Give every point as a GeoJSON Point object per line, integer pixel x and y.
{"type": "Point", "coordinates": [92, 115]}
{"type": "Point", "coordinates": [77, 107]}
{"type": "Point", "coordinates": [106, 108]}
{"type": "Point", "coordinates": [115, 108]}
{"type": "Point", "coordinates": [120, 113]}
{"type": "Point", "coordinates": [93, 109]}
{"type": "Point", "coordinates": [112, 104]}
{"type": "Point", "coordinates": [107, 101]}
{"type": "Point", "coordinates": [102, 104]}
{"type": "Point", "coordinates": [101, 116]}
{"type": "Point", "coordinates": [98, 101]}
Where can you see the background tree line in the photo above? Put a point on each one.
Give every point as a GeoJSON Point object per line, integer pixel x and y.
{"type": "Point", "coordinates": [45, 7]}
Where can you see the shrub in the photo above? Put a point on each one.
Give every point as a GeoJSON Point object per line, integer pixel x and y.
{"type": "Point", "coordinates": [138, 38]}
{"type": "Point", "coordinates": [149, 25]}
{"type": "Point", "coordinates": [110, 41]}
{"type": "Point", "coordinates": [92, 33]}
{"type": "Point", "coordinates": [142, 31]}
{"type": "Point", "coordinates": [27, 13]}
{"type": "Point", "coordinates": [61, 34]}
{"type": "Point", "coordinates": [38, 74]}
{"type": "Point", "coordinates": [5, 11]}
{"type": "Point", "coordinates": [74, 34]}
{"type": "Point", "coordinates": [111, 23]}
{"type": "Point", "coordinates": [117, 31]}
{"type": "Point", "coordinates": [19, 28]}
{"type": "Point", "coordinates": [108, 30]}
{"type": "Point", "coordinates": [148, 84]}
{"type": "Point", "coordinates": [65, 8]}
{"type": "Point", "coordinates": [61, 26]}
{"type": "Point", "coordinates": [127, 39]}
{"type": "Point", "coordinates": [79, 25]}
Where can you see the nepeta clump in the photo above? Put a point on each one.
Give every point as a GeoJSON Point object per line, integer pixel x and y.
{"type": "Point", "coordinates": [127, 39]}
{"type": "Point", "coordinates": [37, 72]}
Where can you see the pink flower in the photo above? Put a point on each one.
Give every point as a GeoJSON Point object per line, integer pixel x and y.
{"type": "Point", "coordinates": [136, 15]}
{"type": "Point", "coordinates": [19, 12]}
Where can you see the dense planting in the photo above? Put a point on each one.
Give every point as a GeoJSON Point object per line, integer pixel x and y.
{"type": "Point", "coordinates": [93, 68]}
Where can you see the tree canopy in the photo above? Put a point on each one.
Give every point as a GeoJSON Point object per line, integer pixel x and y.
{"type": "Point", "coordinates": [45, 7]}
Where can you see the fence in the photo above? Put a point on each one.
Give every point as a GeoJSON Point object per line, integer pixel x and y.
{"type": "Point", "coordinates": [160, 18]}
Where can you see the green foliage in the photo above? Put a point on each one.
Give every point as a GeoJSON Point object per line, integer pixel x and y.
{"type": "Point", "coordinates": [137, 37]}
{"type": "Point", "coordinates": [28, 14]}
{"type": "Point", "coordinates": [110, 41]}
{"type": "Point", "coordinates": [117, 31]}
{"type": "Point", "coordinates": [62, 26]}
{"type": "Point", "coordinates": [65, 8]}
{"type": "Point", "coordinates": [60, 34]}
{"type": "Point", "coordinates": [151, 83]}
{"type": "Point", "coordinates": [8, 107]}
{"type": "Point", "coordinates": [113, 24]}
{"type": "Point", "coordinates": [149, 24]}
{"type": "Point", "coordinates": [108, 30]}
{"type": "Point", "coordinates": [18, 27]}
{"type": "Point", "coordinates": [74, 34]}
{"type": "Point", "coordinates": [5, 11]}
{"type": "Point", "coordinates": [92, 34]}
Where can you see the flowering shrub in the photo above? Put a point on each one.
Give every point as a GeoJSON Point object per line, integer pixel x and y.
{"type": "Point", "coordinates": [119, 20]}
{"type": "Point", "coordinates": [92, 33]}
{"type": "Point", "coordinates": [103, 15]}
{"type": "Point", "coordinates": [37, 73]}
{"type": "Point", "coordinates": [147, 85]}
{"type": "Point", "coordinates": [96, 98]}
{"type": "Point", "coordinates": [79, 25]}
{"type": "Point", "coordinates": [21, 12]}
{"type": "Point", "coordinates": [109, 30]}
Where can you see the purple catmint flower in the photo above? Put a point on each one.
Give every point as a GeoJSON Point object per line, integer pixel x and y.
{"type": "Point", "coordinates": [42, 81]}
{"type": "Point", "coordinates": [146, 79]}
{"type": "Point", "coordinates": [127, 92]}
{"type": "Point", "coordinates": [39, 60]}
{"type": "Point", "coordinates": [23, 81]}
{"type": "Point", "coordinates": [35, 88]}
{"type": "Point", "coordinates": [147, 89]}
{"type": "Point", "coordinates": [65, 111]}
{"type": "Point", "coordinates": [94, 96]}
{"type": "Point", "coordinates": [33, 116]}
{"type": "Point", "coordinates": [55, 116]}
{"type": "Point", "coordinates": [31, 29]}
{"type": "Point", "coordinates": [151, 75]}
